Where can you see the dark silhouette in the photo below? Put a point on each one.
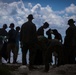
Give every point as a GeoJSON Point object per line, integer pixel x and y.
{"type": "Point", "coordinates": [40, 31]}
{"type": "Point", "coordinates": [40, 47]}
{"type": "Point", "coordinates": [28, 40]}
{"type": "Point", "coordinates": [57, 38]}
{"type": "Point", "coordinates": [54, 45]}
{"type": "Point", "coordinates": [17, 40]}
{"type": "Point", "coordinates": [70, 43]}
{"type": "Point", "coordinates": [3, 35]}
{"type": "Point", "coordinates": [57, 35]}
{"type": "Point", "coordinates": [48, 33]}
{"type": "Point", "coordinates": [11, 46]}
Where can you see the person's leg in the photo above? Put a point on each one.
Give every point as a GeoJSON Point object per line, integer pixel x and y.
{"type": "Point", "coordinates": [17, 49]}
{"type": "Point", "coordinates": [60, 55]}
{"type": "Point", "coordinates": [8, 52]}
{"type": "Point", "coordinates": [71, 55]}
{"type": "Point", "coordinates": [32, 54]}
{"type": "Point", "coordinates": [47, 58]}
{"type": "Point", "coordinates": [14, 50]}
{"type": "Point", "coordinates": [24, 52]}
{"type": "Point", "coordinates": [47, 62]}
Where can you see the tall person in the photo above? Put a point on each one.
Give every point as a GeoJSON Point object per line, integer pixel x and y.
{"type": "Point", "coordinates": [28, 40]}
{"type": "Point", "coordinates": [70, 43]}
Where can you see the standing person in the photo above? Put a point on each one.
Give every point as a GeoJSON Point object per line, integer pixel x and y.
{"type": "Point", "coordinates": [28, 40]}
{"type": "Point", "coordinates": [39, 59]}
{"type": "Point", "coordinates": [11, 46]}
{"type": "Point", "coordinates": [3, 33]}
{"type": "Point", "coordinates": [17, 40]}
{"type": "Point", "coordinates": [70, 43]}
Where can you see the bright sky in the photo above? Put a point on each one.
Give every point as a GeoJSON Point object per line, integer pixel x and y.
{"type": "Point", "coordinates": [55, 12]}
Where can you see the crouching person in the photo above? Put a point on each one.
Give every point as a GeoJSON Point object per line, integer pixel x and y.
{"type": "Point", "coordinates": [56, 46]}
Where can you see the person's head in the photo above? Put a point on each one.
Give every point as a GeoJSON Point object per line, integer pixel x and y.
{"type": "Point", "coordinates": [45, 25]}
{"type": "Point", "coordinates": [55, 31]}
{"type": "Point", "coordinates": [17, 28]}
{"type": "Point", "coordinates": [4, 26]}
{"type": "Point", "coordinates": [30, 17]}
{"type": "Point", "coordinates": [71, 22]}
{"type": "Point", "coordinates": [11, 25]}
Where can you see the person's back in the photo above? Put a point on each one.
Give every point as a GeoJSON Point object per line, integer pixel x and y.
{"type": "Point", "coordinates": [40, 31]}
{"type": "Point", "coordinates": [28, 33]}
{"type": "Point", "coordinates": [57, 35]}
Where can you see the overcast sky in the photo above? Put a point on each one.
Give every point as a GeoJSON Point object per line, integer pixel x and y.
{"type": "Point", "coordinates": [55, 12]}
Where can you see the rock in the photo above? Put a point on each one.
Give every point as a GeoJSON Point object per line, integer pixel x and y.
{"type": "Point", "coordinates": [23, 70]}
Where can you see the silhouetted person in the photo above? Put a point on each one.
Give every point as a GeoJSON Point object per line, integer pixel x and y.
{"type": "Point", "coordinates": [3, 33]}
{"type": "Point", "coordinates": [54, 45]}
{"type": "Point", "coordinates": [57, 35]}
{"type": "Point", "coordinates": [48, 33]}
{"type": "Point", "coordinates": [40, 31]}
{"type": "Point", "coordinates": [28, 40]}
{"type": "Point", "coordinates": [17, 40]}
{"type": "Point", "coordinates": [40, 35]}
{"type": "Point", "coordinates": [11, 46]}
{"type": "Point", "coordinates": [70, 43]}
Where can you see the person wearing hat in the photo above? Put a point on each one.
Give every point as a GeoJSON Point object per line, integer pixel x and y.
{"type": "Point", "coordinates": [40, 31]}
{"type": "Point", "coordinates": [28, 39]}
{"type": "Point", "coordinates": [70, 43]}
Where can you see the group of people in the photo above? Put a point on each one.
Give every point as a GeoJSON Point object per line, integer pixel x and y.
{"type": "Point", "coordinates": [40, 47]}
{"type": "Point", "coordinates": [9, 41]}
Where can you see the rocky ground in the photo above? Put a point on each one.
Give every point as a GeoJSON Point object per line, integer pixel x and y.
{"type": "Point", "coordinates": [18, 69]}
{"type": "Point", "coordinates": [62, 70]}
